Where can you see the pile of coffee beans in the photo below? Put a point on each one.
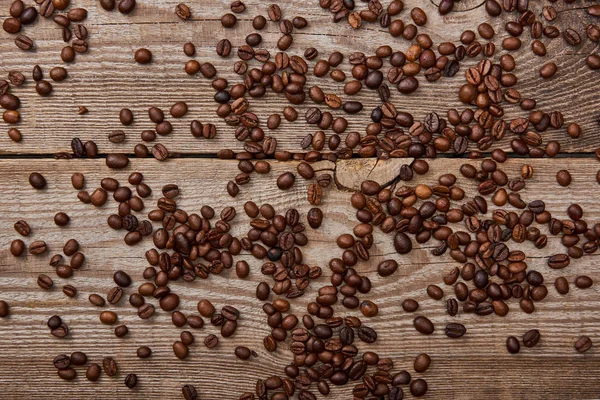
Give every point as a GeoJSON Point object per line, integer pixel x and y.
{"type": "Point", "coordinates": [480, 233]}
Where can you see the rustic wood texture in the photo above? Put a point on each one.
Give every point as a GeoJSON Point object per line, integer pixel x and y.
{"type": "Point", "coordinates": [106, 78]}
{"type": "Point", "coordinates": [476, 366]}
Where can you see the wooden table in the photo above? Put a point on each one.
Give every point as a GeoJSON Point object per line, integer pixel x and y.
{"type": "Point", "coordinates": [106, 79]}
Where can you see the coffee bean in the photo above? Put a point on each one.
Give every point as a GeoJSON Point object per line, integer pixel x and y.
{"type": "Point", "coordinates": [38, 247]}
{"type": "Point", "coordinates": [146, 311]}
{"type": "Point", "coordinates": [22, 228]}
{"type": "Point", "coordinates": [97, 300]}
{"type": "Point", "coordinates": [144, 352]}
{"type": "Point", "coordinates": [11, 25]}
{"type": "Point", "coordinates": [61, 331]}
{"type": "Point", "coordinates": [285, 181]}
{"type": "Point", "coordinates": [423, 325]}
{"type": "Point", "coordinates": [211, 341]}
{"type": "Point", "coordinates": [160, 152]}
{"type": "Point", "coordinates": [583, 282]}
{"type": "Point", "coordinates": [126, 6]}
{"type": "Point", "coordinates": [548, 70]}
{"type": "Point", "coordinates": [93, 372]}
{"type": "Point", "coordinates": [78, 358]}
{"type": "Point", "coordinates": [422, 363]}
{"type": "Point", "coordinates": [418, 387]}
{"type": "Point", "coordinates": [37, 181]}
{"type": "Point", "coordinates": [531, 338]}
{"type": "Point", "coordinates": [116, 161]}
{"type": "Point", "coordinates": [67, 374]}
{"type": "Point", "coordinates": [108, 317]}
{"type": "Point", "coordinates": [109, 365]}
{"type": "Point", "coordinates": [410, 305]}
{"type": "Point", "coordinates": [17, 247]}
{"type": "Point", "coordinates": [315, 217]}
{"type": "Point", "coordinates": [274, 12]}
{"type": "Point", "coordinates": [189, 392]}
{"type": "Point", "coordinates": [179, 109]}
{"type": "Point", "coordinates": [69, 290]}
{"type": "Point", "coordinates": [24, 42]}
{"type": "Point", "coordinates": [131, 381]}
{"type": "Point", "coordinates": [454, 330]}
{"type": "Point", "coordinates": [402, 243]}
{"type": "Point", "coordinates": [583, 344]}
{"type": "Point", "coordinates": [62, 361]}
{"type": "Point", "coordinates": [183, 11]}
{"type": "Point", "coordinates": [242, 352]}
{"type": "Point", "coordinates": [559, 261]}
{"type": "Point", "coordinates": [43, 88]}
{"type": "Point", "coordinates": [228, 20]}
{"type": "Point", "coordinates": [122, 279]}
{"type": "Point", "coordinates": [512, 345]}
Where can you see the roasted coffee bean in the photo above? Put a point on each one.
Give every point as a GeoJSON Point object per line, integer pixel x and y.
{"type": "Point", "coordinates": [531, 338]}
{"type": "Point", "coordinates": [454, 330]}
{"type": "Point", "coordinates": [189, 392]}
{"type": "Point", "coordinates": [37, 180]}
{"type": "Point", "coordinates": [422, 363]}
{"type": "Point", "coordinates": [583, 344]}
{"type": "Point", "coordinates": [512, 345]}
{"type": "Point", "coordinates": [423, 325]}
{"type": "Point", "coordinates": [183, 11]}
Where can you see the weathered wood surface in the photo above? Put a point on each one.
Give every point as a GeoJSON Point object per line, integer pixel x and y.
{"type": "Point", "coordinates": [476, 366]}
{"type": "Point", "coordinates": [107, 79]}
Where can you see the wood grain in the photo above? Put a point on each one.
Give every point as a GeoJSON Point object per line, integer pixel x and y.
{"type": "Point", "coordinates": [107, 79]}
{"type": "Point", "coordinates": [476, 366]}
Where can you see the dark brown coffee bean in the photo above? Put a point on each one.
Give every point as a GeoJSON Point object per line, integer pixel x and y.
{"type": "Point", "coordinates": [183, 11]}
{"type": "Point", "coordinates": [583, 344]}
{"type": "Point", "coordinates": [109, 365]}
{"type": "Point", "coordinates": [37, 180]}
{"type": "Point", "coordinates": [423, 325]}
{"type": "Point", "coordinates": [531, 338]}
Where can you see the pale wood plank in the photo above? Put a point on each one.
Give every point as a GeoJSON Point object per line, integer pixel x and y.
{"type": "Point", "coordinates": [476, 366]}
{"type": "Point", "coordinates": [106, 79]}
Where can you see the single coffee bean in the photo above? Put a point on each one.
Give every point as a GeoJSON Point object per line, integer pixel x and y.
{"type": "Point", "coordinates": [183, 11]}
{"type": "Point", "coordinates": [583, 344]}
{"type": "Point", "coordinates": [455, 330]}
{"type": "Point", "coordinates": [93, 372]}
{"type": "Point", "coordinates": [531, 338]}
{"type": "Point", "coordinates": [410, 305]}
{"type": "Point", "coordinates": [211, 341]}
{"type": "Point", "coordinates": [122, 279]}
{"type": "Point", "coordinates": [116, 161]}
{"type": "Point", "coordinates": [17, 247]}
{"type": "Point", "coordinates": [583, 282]}
{"type": "Point", "coordinates": [38, 247]}
{"type": "Point", "coordinates": [144, 352]}
{"type": "Point", "coordinates": [422, 363]}
{"type": "Point", "coordinates": [423, 325]}
{"type": "Point", "coordinates": [22, 228]}
{"type": "Point", "coordinates": [24, 42]}
{"type": "Point", "coordinates": [189, 392]}
{"type": "Point", "coordinates": [109, 365]}
{"type": "Point", "coordinates": [108, 317]}
{"type": "Point", "coordinates": [131, 381]}
{"type": "Point", "coordinates": [418, 387]}
{"type": "Point", "coordinates": [37, 180]}
{"type": "Point", "coordinates": [67, 374]}
{"type": "Point", "coordinates": [512, 345]}
{"type": "Point", "coordinates": [285, 181]}
{"type": "Point", "coordinates": [126, 6]}
{"type": "Point", "coordinates": [62, 361]}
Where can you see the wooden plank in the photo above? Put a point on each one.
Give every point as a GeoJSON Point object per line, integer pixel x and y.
{"type": "Point", "coordinates": [476, 366]}
{"type": "Point", "coordinates": [107, 79]}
